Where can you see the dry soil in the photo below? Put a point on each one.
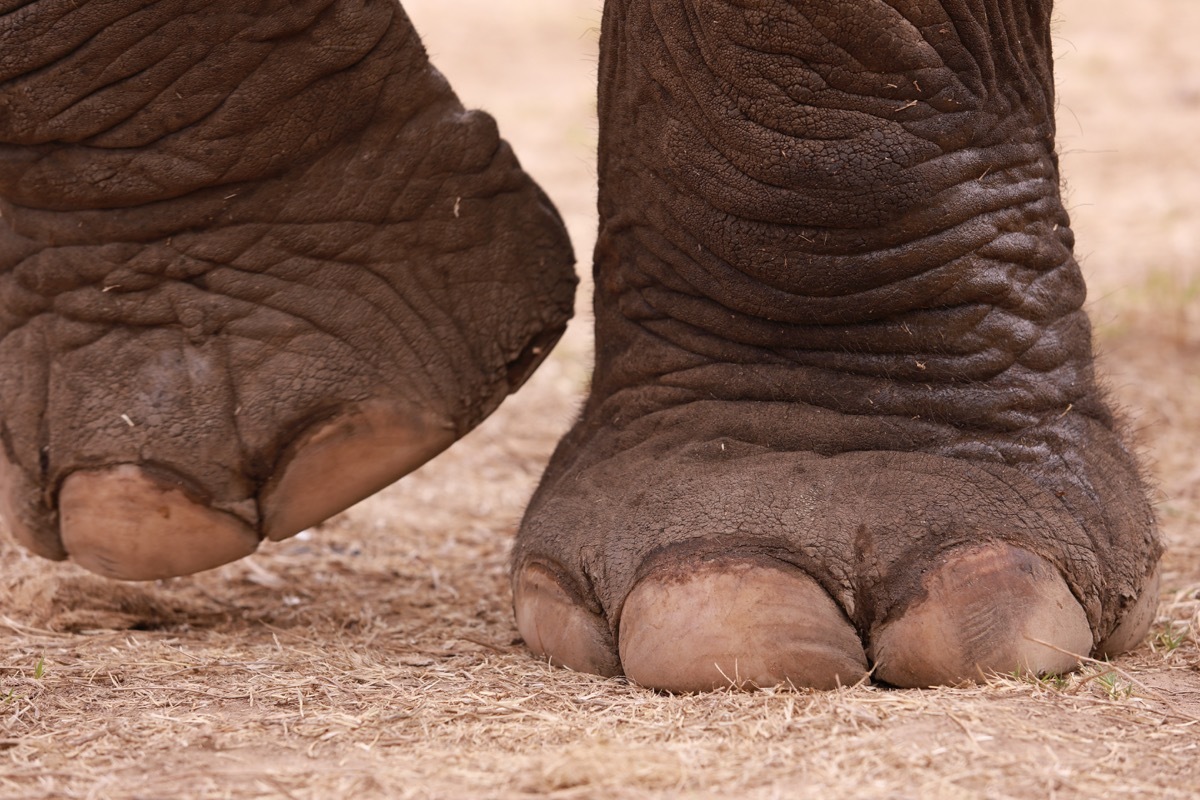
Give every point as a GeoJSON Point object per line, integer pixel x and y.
{"type": "Point", "coordinates": [376, 656]}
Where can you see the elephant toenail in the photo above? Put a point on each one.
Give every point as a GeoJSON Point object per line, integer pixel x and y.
{"type": "Point", "coordinates": [995, 609]}
{"type": "Point", "coordinates": [123, 522]}
{"type": "Point", "coordinates": [736, 623]}
{"type": "Point", "coordinates": [341, 461]}
{"type": "Point", "coordinates": [1136, 620]}
{"type": "Point", "coordinates": [556, 626]}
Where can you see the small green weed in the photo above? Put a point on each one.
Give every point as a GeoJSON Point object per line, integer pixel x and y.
{"type": "Point", "coordinates": [1171, 639]}
{"type": "Point", "coordinates": [1114, 686]}
{"type": "Point", "coordinates": [1052, 682]}
{"type": "Point", "coordinates": [1055, 682]}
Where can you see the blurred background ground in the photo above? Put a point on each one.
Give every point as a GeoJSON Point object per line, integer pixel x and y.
{"type": "Point", "coordinates": [376, 656]}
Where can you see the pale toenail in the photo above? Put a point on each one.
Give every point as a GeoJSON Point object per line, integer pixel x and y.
{"type": "Point", "coordinates": [994, 609]}
{"type": "Point", "coordinates": [122, 522]}
{"type": "Point", "coordinates": [697, 627]}
{"type": "Point", "coordinates": [17, 496]}
{"type": "Point", "coordinates": [1135, 620]}
{"type": "Point", "coordinates": [558, 627]}
{"type": "Point", "coordinates": [346, 459]}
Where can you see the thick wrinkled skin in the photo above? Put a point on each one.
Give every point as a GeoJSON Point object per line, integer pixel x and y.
{"type": "Point", "coordinates": [838, 320]}
{"type": "Point", "coordinates": [840, 346]}
{"type": "Point", "coordinates": [224, 222]}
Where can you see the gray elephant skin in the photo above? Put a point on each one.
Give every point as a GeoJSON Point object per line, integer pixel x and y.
{"type": "Point", "coordinates": [258, 262]}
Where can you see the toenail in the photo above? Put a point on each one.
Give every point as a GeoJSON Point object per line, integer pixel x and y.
{"type": "Point", "coordinates": [736, 623]}
{"type": "Point", "coordinates": [555, 625]}
{"type": "Point", "coordinates": [16, 497]}
{"type": "Point", "coordinates": [122, 522]}
{"type": "Point", "coordinates": [995, 609]}
{"type": "Point", "coordinates": [1136, 620]}
{"type": "Point", "coordinates": [344, 460]}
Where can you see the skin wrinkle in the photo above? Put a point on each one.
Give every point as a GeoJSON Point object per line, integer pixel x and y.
{"type": "Point", "coordinates": [789, 207]}
{"type": "Point", "coordinates": [976, 406]}
{"type": "Point", "coordinates": [1019, 19]}
{"type": "Point", "coordinates": [893, 339]}
{"type": "Point", "coordinates": [915, 362]}
{"type": "Point", "coordinates": [413, 312]}
{"type": "Point", "coordinates": [238, 266]}
{"type": "Point", "coordinates": [366, 356]}
{"type": "Point", "coordinates": [334, 286]}
{"type": "Point", "coordinates": [24, 20]}
{"type": "Point", "coordinates": [238, 116]}
{"type": "Point", "coordinates": [811, 63]}
{"type": "Point", "coordinates": [811, 309]}
{"type": "Point", "coordinates": [876, 264]}
{"type": "Point", "coordinates": [79, 111]}
{"type": "Point", "coordinates": [963, 60]}
{"type": "Point", "coordinates": [136, 37]}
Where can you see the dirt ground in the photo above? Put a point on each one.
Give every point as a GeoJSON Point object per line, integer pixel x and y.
{"type": "Point", "coordinates": [376, 656]}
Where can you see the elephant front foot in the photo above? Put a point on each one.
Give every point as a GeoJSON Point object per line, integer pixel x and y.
{"type": "Point", "coordinates": [843, 419]}
{"type": "Point", "coordinates": [688, 559]}
{"type": "Point", "coordinates": [248, 277]}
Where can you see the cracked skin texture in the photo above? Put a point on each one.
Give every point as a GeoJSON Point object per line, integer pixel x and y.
{"type": "Point", "coordinates": [843, 419]}
{"type": "Point", "coordinates": [839, 331]}
{"type": "Point", "coordinates": [234, 238]}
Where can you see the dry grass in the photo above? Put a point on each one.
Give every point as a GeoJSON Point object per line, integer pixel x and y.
{"type": "Point", "coordinates": [376, 656]}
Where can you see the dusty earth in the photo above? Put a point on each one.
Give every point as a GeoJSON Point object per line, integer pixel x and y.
{"type": "Point", "coordinates": [376, 656]}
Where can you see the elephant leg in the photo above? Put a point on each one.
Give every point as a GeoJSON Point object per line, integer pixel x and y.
{"type": "Point", "coordinates": [844, 419]}
{"type": "Point", "coordinates": [256, 263]}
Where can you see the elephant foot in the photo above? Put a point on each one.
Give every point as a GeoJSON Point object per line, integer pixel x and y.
{"type": "Point", "coordinates": [141, 522]}
{"type": "Point", "coordinates": [844, 419]}
{"type": "Point", "coordinates": [691, 565]}
{"type": "Point", "coordinates": [252, 284]}
{"type": "Point", "coordinates": [699, 625]}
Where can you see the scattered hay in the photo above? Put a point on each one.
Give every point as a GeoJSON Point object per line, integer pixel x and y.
{"type": "Point", "coordinates": [377, 657]}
